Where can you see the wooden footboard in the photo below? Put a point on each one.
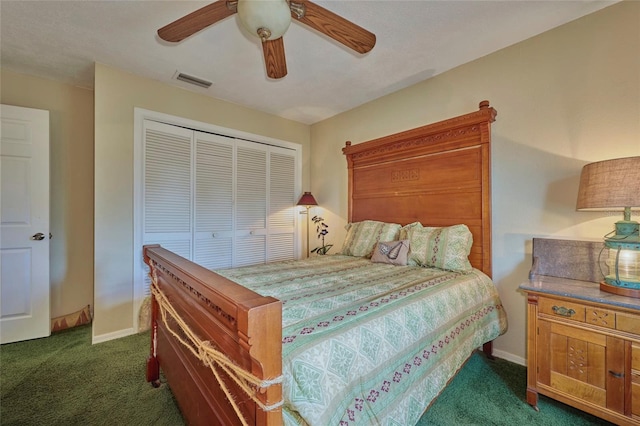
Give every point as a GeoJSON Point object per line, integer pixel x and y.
{"type": "Point", "coordinates": [237, 322]}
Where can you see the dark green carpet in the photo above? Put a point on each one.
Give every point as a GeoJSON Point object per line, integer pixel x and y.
{"type": "Point", "coordinates": [494, 393]}
{"type": "Point", "coordinates": [64, 380]}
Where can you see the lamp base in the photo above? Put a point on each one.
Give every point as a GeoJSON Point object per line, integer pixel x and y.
{"type": "Point", "coordinates": [620, 291]}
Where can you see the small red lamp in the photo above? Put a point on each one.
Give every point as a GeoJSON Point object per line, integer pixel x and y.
{"type": "Point", "coordinates": [307, 200]}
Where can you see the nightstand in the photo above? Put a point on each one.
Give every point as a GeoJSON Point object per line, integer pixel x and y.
{"type": "Point", "coordinates": [583, 344]}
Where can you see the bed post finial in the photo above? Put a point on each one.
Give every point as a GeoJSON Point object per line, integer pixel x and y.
{"type": "Point", "coordinates": [484, 104]}
{"type": "Point", "coordinates": [347, 143]}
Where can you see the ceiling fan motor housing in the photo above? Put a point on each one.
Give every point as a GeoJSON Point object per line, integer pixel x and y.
{"type": "Point", "coordinates": [266, 19]}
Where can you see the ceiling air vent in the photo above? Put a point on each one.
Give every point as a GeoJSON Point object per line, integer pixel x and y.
{"type": "Point", "coordinates": [193, 80]}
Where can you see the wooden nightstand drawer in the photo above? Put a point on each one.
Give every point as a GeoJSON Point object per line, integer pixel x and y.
{"type": "Point", "coordinates": [628, 322]}
{"type": "Point", "coordinates": [562, 309]}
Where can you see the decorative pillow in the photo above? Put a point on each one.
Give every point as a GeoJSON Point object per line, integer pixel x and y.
{"type": "Point", "coordinates": [404, 231]}
{"type": "Point", "coordinates": [393, 252]}
{"type": "Point", "coordinates": [444, 248]}
{"type": "Point", "coordinates": [363, 236]}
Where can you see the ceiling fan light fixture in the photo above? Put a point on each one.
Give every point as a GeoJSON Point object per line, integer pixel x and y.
{"type": "Point", "coordinates": [266, 19]}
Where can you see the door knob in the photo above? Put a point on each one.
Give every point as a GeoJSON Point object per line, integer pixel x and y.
{"type": "Point", "coordinates": [38, 237]}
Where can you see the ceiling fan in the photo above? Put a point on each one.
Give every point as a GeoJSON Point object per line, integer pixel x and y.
{"type": "Point", "coordinates": [269, 20]}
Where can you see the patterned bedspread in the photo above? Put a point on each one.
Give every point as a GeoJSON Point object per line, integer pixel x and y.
{"type": "Point", "coordinates": [371, 343]}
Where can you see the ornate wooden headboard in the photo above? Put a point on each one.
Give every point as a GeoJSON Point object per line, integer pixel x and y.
{"type": "Point", "coordinates": [438, 174]}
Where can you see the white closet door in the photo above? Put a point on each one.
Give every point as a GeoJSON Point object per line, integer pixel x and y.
{"type": "Point", "coordinates": [282, 221]}
{"type": "Point", "coordinates": [167, 194]}
{"type": "Point", "coordinates": [214, 210]}
{"type": "Point", "coordinates": [216, 200]}
{"type": "Point", "coordinates": [251, 204]}
{"type": "Point", "coordinates": [221, 201]}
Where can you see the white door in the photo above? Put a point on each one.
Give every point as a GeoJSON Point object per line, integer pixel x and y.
{"type": "Point", "coordinates": [251, 204]}
{"type": "Point", "coordinates": [24, 218]}
{"type": "Point", "coordinates": [166, 191]}
{"type": "Point", "coordinates": [281, 222]}
{"type": "Point", "coordinates": [214, 208]}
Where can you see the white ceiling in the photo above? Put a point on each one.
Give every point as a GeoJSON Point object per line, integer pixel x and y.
{"type": "Point", "coordinates": [415, 40]}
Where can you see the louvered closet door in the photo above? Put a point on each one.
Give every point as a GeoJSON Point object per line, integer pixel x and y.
{"type": "Point", "coordinates": [167, 187]}
{"type": "Point", "coordinates": [281, 219]}
{"type": "Point", "coordinates": [258, 224]}
{"type": "Point", "coordinates": [216, 200]}
{"type": "Point", "coordinates": [251, 204]}
{"type": "Point", "coordinates": [214, 210]}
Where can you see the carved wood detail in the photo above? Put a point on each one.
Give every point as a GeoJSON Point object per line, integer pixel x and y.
{"type": "Point", "coordinates": [407, 144]}
{"type": "Point", "coordinates": [212, 307]}
{"type": "Point", "coordinates": [405, 175]}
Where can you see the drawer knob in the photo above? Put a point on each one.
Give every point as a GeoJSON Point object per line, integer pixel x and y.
{"type": "Point", "coordinates": [561, 310]}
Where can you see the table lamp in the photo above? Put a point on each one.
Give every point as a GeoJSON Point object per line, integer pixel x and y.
{"type": "Point", "coordinates": [612, 185]}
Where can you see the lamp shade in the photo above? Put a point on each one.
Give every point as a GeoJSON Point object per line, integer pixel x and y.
{"type": "Point", "coordinates": [610, 185]}
{"type": "Point", "coordinates": [307, 200]}
{"type": "Point", "coordinates": [267, 19]}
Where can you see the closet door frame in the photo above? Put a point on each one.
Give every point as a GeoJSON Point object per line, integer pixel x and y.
{"type": "Point", "coordinates": [140, 115]}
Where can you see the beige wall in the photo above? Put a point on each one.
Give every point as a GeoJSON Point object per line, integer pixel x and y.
{"type": "Point", "coordinates": [71, 182]}
{"type": "Point", "coordinates": [565, 98]}
{"type": "Point", "coordinates": [116, 95]}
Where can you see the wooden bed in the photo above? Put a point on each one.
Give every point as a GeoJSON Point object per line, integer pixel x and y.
{"type": "Point", "coordinates": [438, 174]}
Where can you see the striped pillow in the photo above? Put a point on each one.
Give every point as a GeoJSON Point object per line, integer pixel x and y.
{"type": "Point", "coordinates": [363, 236]}
{"type": "Point", "coordinates": [445, 248]}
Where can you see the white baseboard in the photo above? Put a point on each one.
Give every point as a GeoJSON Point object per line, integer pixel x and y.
{"type": "Point", "coordinates": [509, 357]}
{"type": "Point", "coordinates": [111, 336]}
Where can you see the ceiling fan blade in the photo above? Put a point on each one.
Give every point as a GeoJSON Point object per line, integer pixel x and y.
{"type": "Point", "coordinates": [336, 27]}
{"type": "Point", "coordinates": [274, 58]}
{"type": "Point", "coordinates": [195, 21]}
